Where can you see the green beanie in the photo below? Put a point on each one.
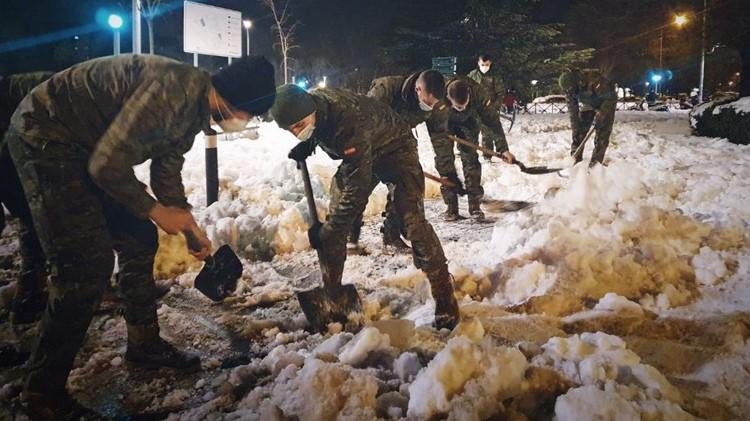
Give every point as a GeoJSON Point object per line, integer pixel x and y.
{"type": "Point", "coordinates": [292, 105]}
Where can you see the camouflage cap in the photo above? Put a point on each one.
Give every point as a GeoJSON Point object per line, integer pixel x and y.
{"type": "Point", "coordinates": [570, 78]}
{"type": "Point", "coordinates": [292, 105]}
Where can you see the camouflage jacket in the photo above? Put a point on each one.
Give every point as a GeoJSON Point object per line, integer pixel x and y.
{"type": "Point", "coordinates": [13, 89]}
{"type": "Point", "coordinates": [490, 81]}
{"type": "Point", "coordinates": [358, 131]}
{"type": "Point", "coordinates": [399, 94]}
{"type": "Point", "coordinates": [121, 111]}
{"type": "Point", "coordinates": [483, 108]}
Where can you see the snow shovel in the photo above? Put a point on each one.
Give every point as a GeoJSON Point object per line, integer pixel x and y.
{"type": "Point", "coordinates": [332, 302]}
{"type": "Point", "coordinates": [218, 278]}
{"type": "Point", "coordinates": [524, 168]}
{"type": "Point", "coordinates": [580, 147]}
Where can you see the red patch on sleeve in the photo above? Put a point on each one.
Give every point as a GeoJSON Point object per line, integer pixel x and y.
{"type": "Point", "coordinates": [351, 151]}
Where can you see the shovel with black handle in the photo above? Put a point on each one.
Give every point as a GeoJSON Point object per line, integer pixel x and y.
{"type": "Point", "coordinates": [332, 302]}
{"type": "Point", "coordinates": [218, 278]}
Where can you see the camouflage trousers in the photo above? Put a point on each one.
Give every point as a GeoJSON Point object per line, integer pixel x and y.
{"type": "Point", "coordinates": [581, 124]}
{"type": "Point", "coordinates": [490, 140]}
{"type": "Point", "coordinates": [78, 227]}
{"type": "Point", "coordinates": [445, 158]}
{"type": "Point", "coordinates": [33, 272]}
{"type": "Point", "coordinates": [402, 172]}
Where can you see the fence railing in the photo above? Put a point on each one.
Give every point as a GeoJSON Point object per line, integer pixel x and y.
{"type": "Point", "coordinates": [558, 108]}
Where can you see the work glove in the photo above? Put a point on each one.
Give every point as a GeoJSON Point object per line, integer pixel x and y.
{"type": "Point", "coordinates": [459, 186]}
{"type": "Point", "coordinates": [302, 151]}
{"type": "Point", "coordinates": [313, 235]}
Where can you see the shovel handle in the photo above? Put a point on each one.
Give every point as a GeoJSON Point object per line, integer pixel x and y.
{"type": "Point", "coordinates": [438, 179]}
{"type": "Point", "coordinates": [195, 245]}
{"type": "Point", "coordinates": [308, 191]}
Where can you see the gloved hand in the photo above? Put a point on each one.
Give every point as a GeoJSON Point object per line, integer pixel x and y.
{"type": "Point", "coordinates": [459, 186]}
{"type": "Point", "coordinates": [302, 151]}
{"type": "Point", "coordinates": [313, 235]}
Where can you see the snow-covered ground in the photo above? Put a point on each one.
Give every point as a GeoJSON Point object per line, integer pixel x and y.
{"type": "Point", "coordinates": [622, 292]}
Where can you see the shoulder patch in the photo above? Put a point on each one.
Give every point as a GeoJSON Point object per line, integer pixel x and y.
{"type": "Point", "coordinates": [442, 107]}
{"type": "Point", "coordinates": [351, 151]}
{"type": "Point", "coordinates": [489, 101]}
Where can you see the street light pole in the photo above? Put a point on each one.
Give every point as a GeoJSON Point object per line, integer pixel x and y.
{"type": "Point", "coordinates": [115, 22]}
{"type": "Point", "coordinates": [703, 52]}
{"type": "Point", "coordinates": [247, 23]}
{"type": "Point", "coordinates": [136, 26]}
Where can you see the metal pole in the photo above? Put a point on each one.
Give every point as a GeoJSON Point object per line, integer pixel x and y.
{"type": "Point", "coordinates": [661, 54]}
{"type": "Point", "coordinates": [247, 41]}
{"type": "Point", "coordinates": [229, 60]}
{"type": "Point", "coordinates": [212, 170]}
{"type": "Point", "coordinates": [703, 52]}
{"type": "Point", "coordinates": [116, 46]}
{"type": "Point", "coordinates": [195, 60]}
{"type": "Point", "coordinates": [136, 26]}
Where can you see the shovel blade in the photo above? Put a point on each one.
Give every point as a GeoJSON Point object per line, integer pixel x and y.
{"type": "Point", "coordinates": [328, 305]}
{"type": "Point", "coordinates": [540, 170]}
{"type": "Point", "coordinates": [218, 278]}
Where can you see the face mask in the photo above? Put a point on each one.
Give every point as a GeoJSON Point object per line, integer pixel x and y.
{"type": "Point", "coordinates": [459, 109]}
{"type": "Point", "coordinates": [484, 69]}
{"type": "Point", "coordinates": [424, 107]}
{"type": "Point", "coordinates": [232, 124]}
{"type": "Point", "coordinates": [306, 133]}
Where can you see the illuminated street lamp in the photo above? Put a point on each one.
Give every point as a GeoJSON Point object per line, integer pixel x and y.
{"type": "Point", "coordinates": [115, 22]}
{"type": "Point", "coordinates": [247, 23]}
{"type": "Point", "coordinates": [680, 20]}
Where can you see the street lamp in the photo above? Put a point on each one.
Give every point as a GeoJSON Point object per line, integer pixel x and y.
{"type": "Point", "coordinates": [115, 22]}
{"type": "Point", "coordinates": [680, 20]}
{"type": "Point", "coordinates": [247, 23]}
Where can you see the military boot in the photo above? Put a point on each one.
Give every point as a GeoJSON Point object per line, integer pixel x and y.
{"type": "Point", "coordinates": [30, 299]}
{"type": "Point", "coordinates": [147, 349]}
{"type": "Point", "coordinates": [475, 209]}
{"type": "Point", "coordinates": [392, 238]}
{"type": "Point", "coordinates": [38, 406]}
{"type": "Point", "coordinates": [447, 315]}
{"type": "Point", "coordinates": [451, 213]}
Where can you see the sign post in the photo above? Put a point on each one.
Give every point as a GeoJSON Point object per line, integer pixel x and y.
{"type": "Point", "coordinates": [213, 31]}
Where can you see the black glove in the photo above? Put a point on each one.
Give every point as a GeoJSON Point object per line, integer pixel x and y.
{"type": "Point", "coordinates": [459, 186]}
{"type": "Point", "coordinates": [302, 151]}
{"type": "Point", "coordinates": [313, 235]}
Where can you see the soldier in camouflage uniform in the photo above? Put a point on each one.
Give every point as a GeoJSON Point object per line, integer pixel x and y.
{"type": "Point", "coordinates": [598, 102]}
{"type": "Point", "coordinates": [30, 298]}
{"type": "Point", "coordinates": [472, 107]}
{"type": "Point", "coordinates": [417, 98]}
{"type": "Point", "coordinates": [486, 75]}
{"type": "Point", "coordinates": [374, 145]}
{"type": "Point", "coordinates": [74, 141]}
{"type": "Point", "coordinates": [404, 95]}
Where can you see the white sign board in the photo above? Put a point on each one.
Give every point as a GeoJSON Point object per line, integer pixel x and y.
{"type": "Point", "coordinates": [212, 30]}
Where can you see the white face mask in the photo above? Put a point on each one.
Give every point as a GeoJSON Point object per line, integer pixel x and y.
{"type": "Point", "coordinates": [424, 107]}
{"type": "Point", "coordinates": [459, 109]}
{"type": "Point", "coordinates": [232, 124]}
{"type": "Point", "coordinates": [306, 133]}
{"type": "Point", "coordinates": [484, 68]}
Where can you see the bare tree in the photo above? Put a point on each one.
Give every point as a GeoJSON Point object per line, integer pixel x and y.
{"type": "Point", "coordinates": [284, 30]}
{"type": "Point", "coordinates": [150, 10]}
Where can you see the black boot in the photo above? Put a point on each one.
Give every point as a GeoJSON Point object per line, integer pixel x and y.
{"type": "Point", "coordinates": [392, 238]}
{"type": "Point", "coordinates": [147, 349]}
{"type": "Point", "coordinates": [451, 213]}
{"type": "Point", "coordinates": [475, 209]}
{"type": "Point", "coordinates": [38, 406]}
{"type": "Point", "coordinates": [28, 305]}
{"type": "Point", "coordinates": [447, 315]}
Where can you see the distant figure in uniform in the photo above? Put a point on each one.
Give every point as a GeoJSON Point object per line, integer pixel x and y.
{"type": "Point", "coordinates": [487, 76]}
{"type": "Point", "coordinates": [598, 102]}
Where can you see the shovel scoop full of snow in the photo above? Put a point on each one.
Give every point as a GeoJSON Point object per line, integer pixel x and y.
{"type": "Point", "coordinates": [328, 304]}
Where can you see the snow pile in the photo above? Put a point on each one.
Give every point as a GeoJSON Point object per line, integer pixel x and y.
{"type": "Point", "coordinates": [609, 230]}
{"type": "Point", "coordinates": [368, 340]}
{"type": "Point", "coordinates": [614, 384]}
{"type": "Point", "coordinates": [709, 267]}
{"type": "Point", "coordinates": [466, 380]}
